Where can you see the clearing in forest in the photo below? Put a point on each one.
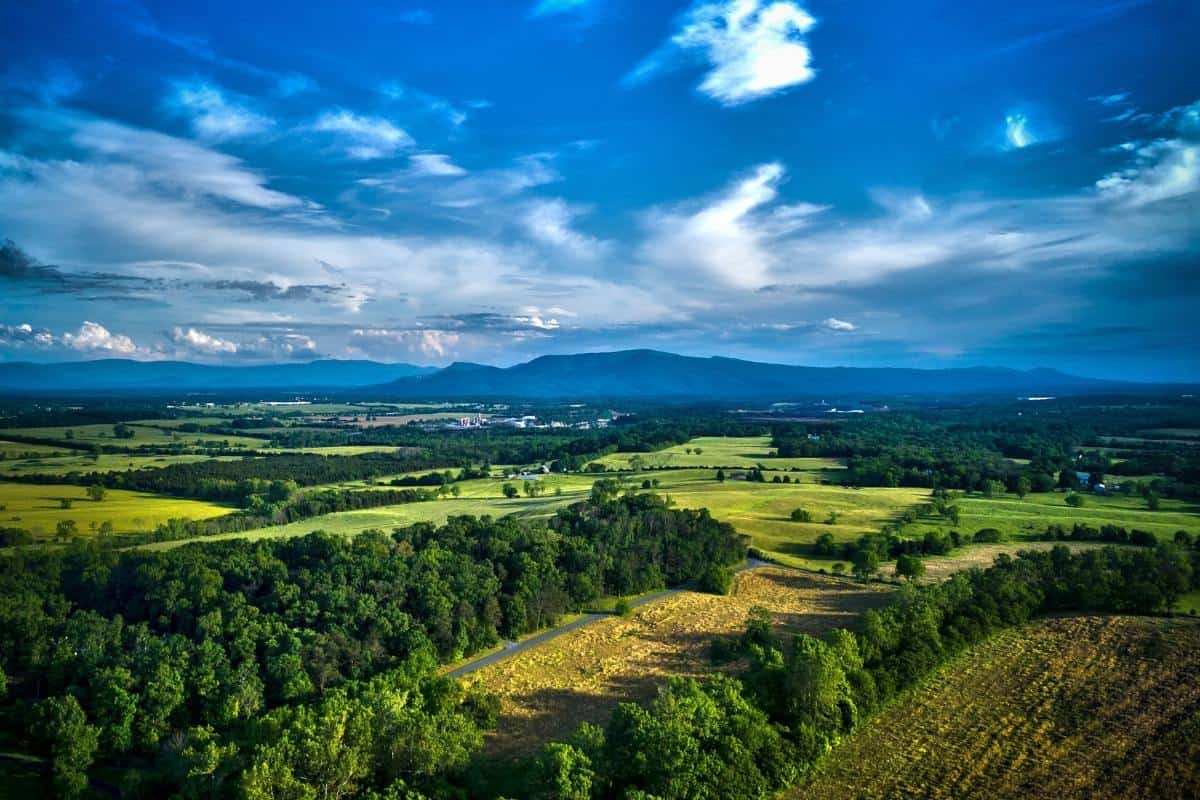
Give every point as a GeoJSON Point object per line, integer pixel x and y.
{"type": "Point", "coordinates": [581, 676]}
{"type": "Point", "coordinates": [1063, 708]}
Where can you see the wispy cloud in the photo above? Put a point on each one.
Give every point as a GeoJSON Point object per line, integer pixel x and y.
{"type": "Point", "coordinates": [839, 325]}
{"type": "Point", "coordinates": [1018, 132]}
{"type": "Point", "coordinates": [213, 113]}
{"type": "Point", "coordinates": [753, 48]}
{"type": "Point", "coordinates": [365, 137]}
{"type": "Point", "coordinates": [435, 164]}
{"type": "Point", "coordinates": [551, 221]}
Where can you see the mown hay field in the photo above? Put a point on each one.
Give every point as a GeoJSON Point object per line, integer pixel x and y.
{"type": "Point", "coordinates": [1064, 709]}
{"type": "Point", "coordinates": [547, 691]}
{"type": "Point", "coordinates": [38, 509]}
{"type": "Point", "coordinates": [741, 452]}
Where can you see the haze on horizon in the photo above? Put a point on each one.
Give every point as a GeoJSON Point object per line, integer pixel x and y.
{"type": "Point", "coordinates": [800, 181]}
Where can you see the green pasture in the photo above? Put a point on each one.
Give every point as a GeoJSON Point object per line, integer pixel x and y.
{"type": "Point", "coordinates": [143, 436]}
{"type": "Point", "coordinates": [81, 463]}
{"type": "Point", "coordinates": [739, 452]}
{"type": "Point", "coordinates": [1024, 518]}
{"type": "Point", "coordinates": [38, 509]}
{"type": "Point", "coordinates": [16, 450]}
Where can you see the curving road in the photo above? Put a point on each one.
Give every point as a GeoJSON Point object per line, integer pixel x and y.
{"type": "Point", "coordinates": [512, 648]}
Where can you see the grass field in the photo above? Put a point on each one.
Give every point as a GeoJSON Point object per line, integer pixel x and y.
{"type": "Point", "coordinates": [722, 451]}
{"type": "Point", "coordinates": [580, 676]}
{"type": "Point", "coordinates": [143, 436]}
{"type": "Point", "coordinates": [38, 509]}
{"type": "Point", "coordinates": [108, 462]}
{"type": "Point", "coordinates": [1029, 516]}
{"type": "Point", "coordinates": [12, 450]}
{"type": "Point", "coordinates": [1063, 709]}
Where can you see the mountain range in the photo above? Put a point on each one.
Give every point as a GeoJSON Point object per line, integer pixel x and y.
{"type": "Point", "coordinates": [633, 374]}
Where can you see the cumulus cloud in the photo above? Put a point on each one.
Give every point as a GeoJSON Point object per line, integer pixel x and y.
{"type": "Point", "coordinates": [25, 335]}
{"type": "Point", "coordinates": [423, 341]}
{"type": "Point", "coordinates": [365, 137]}
{"type": "Point", "coordinates": [753, 48]}
{"type": "Point", "coordinates": [92, 337]}
{"type": "Point", "coordinates": [835, 324]}
{"type": "Point", "coordinates": [201, 342]}
{"type": "Point", "coordinates": [213, 114]}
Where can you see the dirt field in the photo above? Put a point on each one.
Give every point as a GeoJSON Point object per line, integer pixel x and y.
{"type": "Point", "coordinates": [1062, 709]}
{"type": "Point", "coordinates": [581, 676]}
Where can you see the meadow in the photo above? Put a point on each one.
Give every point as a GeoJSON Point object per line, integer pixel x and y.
{"type": "Point", "coordinates": [38, 509]}
{"type": "Point", "coordinates": [77, 462]}
{"type": "Point", "coordinates": [740, 452]}
{"type": "Point", "coordinates": [143, 436]}
{"type": "Point", "coordinates": [1064, 708]}
{"type": "Point", "coordinates": [545, 692]}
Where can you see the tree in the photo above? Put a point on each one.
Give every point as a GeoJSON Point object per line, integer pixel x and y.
{"type": "Point", "coordinates": [716, 579]}
{"type": "Point", "coordinates": [123, 431]}
{"type": "Point", "coordinates": [563, 772]}
{"type": "Point", "coordinates": [839, 568]}
{"type": "Point", "coordinates": [721, 475]}
{"type": "Point", "coordinates": [105, 529]}
{"type": "Point", "coordinates": [697, 450]}
{"type": "Point", "coordinates": [1152, 501]}
{"type": "Point", "coordinates": [1067, 479]}
{"type": "Point", "coordinates": [66, 529]}
{"type": "Point", "coordinates": [97, 492]}
{"type": "Point", "coordinates": [1074, 500]}
{"type": "Point", "coordinates": [65, 503]}
{"type": "Point", "coordinates": [605, 490]}
{"type": "Point", "coordinates": [993, 488]}
{"type": "Point", "coordinates": [623, 608]}
{"type": "Point", "coordinates": [1024, 486]}
{"type": "Point", "coordinates": [801, 515]}
{"type": "Point", "coordinates": [832, 519]}
{"type": "Point", "coordinates": [866, 563]}
{"type": "Point", "coordinates": [510, 491]}
{"type": "Point", "coordinates": [61, 733]}
{"type": "Point", "coordinates": [909, 566]}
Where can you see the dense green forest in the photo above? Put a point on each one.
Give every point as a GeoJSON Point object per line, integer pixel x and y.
{"type": "Point", "coordinates": [215, 661]}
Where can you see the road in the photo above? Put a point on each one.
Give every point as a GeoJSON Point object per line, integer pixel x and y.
{"type": "Point", "coordinates": [512, 648]}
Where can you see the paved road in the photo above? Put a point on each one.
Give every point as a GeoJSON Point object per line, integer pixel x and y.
{"type": "Point", "coordinates": [512, 648]}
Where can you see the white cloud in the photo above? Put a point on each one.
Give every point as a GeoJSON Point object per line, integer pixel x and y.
{"type": "Point", "coordinates": [1162, 170]}
{"type": "Point", "coordinates": [25, 335]}
{"type": "Point", "coordinates": [123, 156]}
{"type": "Point", "coordinates": [424, 341]}
{"type": "Point", "coordinates": [93, 337]}
{"type": "Point", "coordinates": [835, 324]}
{"type": "Point", "coordinates": [552, 222]}
{"type": "Point", "coordinates": [203, 343]}
{"type": "Point", "coordinates": [754, 48]}
{"type": "Point", "coordinates": [213, 115]}
{"type": "Point", "coordinates": [434, 164]}
{"type": "Point", "coordinates": [1116, 99]}
{"type": "Point", "coordinates": [366, 137]}
{"type": "Point", "coordinates": [1017, 131]}
{"type": "Point", "coordinates": [723, 239]}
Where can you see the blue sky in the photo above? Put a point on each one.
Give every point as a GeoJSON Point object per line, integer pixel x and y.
{"type": "Point", "coordinates": [863, 183]}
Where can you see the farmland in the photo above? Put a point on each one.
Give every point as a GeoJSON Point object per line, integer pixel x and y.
{"type": "Point", "coordinates": [1064, 708]}
{"type": "Point", "coordinates": [741, 452]}
{"type": "Point", "coordinates": [39, 509]}
{"type": "Point", "coordinates": [139, 436]}
{"type": "Point", "coordinates": [580, 676]}
{"type": "Point", "coordinates": [67, 464]}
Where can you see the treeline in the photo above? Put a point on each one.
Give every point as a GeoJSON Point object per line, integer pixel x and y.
{"type": "Point", "coordinates": [237, 666]}
{"type": "Point", "coordinates": [750, 738]}
{"type": "Point", "coordinates": [240, 480]}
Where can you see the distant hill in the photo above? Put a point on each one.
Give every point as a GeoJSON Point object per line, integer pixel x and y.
{"type": "Point", "coordinates": [125, 375]}
{"type": "Point", "coordinates": [650, 374]}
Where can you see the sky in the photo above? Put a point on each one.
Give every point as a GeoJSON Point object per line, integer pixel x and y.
{"type": "Point", "coordinates": [822, 182]}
